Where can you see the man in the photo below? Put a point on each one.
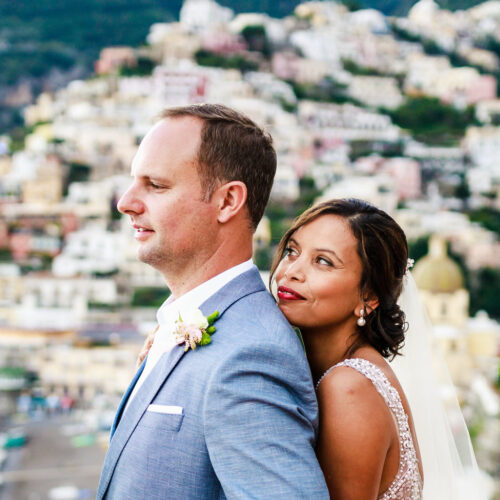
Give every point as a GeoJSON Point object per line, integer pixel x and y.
{"type": "Point", "coordinates": [235, 418]}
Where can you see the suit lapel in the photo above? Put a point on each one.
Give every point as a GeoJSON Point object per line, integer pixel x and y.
{"type": "Point", "coordinates": [135, 410]}
{"type": "Point", "coordinates": [243, 285]}
{"type": "Point", "coordinates": [125, 397]}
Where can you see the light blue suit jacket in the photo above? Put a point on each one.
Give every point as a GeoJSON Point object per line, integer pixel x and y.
{"type": "Point", "coordinates": [249, 413]}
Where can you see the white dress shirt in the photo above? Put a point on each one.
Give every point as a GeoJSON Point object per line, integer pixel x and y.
{"type": "Point", "coordinates": [170, 310]}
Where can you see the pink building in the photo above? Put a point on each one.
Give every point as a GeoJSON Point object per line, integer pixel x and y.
{"type": "Point", "coordinates": [284, 65]}
{"type": "Point", "coordinates": [222, 42]}
{"type": "Point", "coordinates": [20, 245]}
{"type": "Point", "coordinates": [176, 86]}
{"type": "Point", "coordinates": [482, 89]}
{"type": "Point", "coordinates": [112, 58]}
{"type": "Point", "coordinates": [405, 173]}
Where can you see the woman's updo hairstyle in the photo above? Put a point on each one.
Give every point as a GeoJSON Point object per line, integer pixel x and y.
{"type": "Point", "coordinates": [383, 250]}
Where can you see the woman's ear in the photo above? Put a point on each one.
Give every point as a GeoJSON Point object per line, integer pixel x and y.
{"type": "Point", "coordinates": [368, 305]}
{"type": "Point", "coordinates": [371, 305]}
{"type": "Point", "coordinates": [230, 200]}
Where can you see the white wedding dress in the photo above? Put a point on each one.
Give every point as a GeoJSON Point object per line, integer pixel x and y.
{"type": "Point", "coordinates": [449, 465]}
{"type": "Point", "coordinates": [407, 484]}
{"type": "Point", "coordinates": [448, 461]}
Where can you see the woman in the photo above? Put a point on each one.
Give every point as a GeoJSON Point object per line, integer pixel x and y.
{"type": "Point", "coordinates": [339, 272]}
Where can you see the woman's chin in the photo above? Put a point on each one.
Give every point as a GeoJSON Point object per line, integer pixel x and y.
{"type": "Point", "coordinates": [290, 315]}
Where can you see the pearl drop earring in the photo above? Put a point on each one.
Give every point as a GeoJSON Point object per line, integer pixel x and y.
{"type": "Point", "coordinates": [361, 320]}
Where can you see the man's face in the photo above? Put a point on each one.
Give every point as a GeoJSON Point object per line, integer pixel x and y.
{"type": "Point", "coordinates": [173, 224]}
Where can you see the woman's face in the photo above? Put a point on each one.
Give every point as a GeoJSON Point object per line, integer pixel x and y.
{"type": "Point", "coordinates": [318, 278]}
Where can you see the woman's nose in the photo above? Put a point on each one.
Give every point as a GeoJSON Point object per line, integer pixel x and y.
{"type": "Point", "coordinates": [295, 271]}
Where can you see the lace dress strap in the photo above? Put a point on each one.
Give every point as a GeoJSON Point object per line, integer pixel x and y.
{"type": "Point", "coordinates": [407, 483]}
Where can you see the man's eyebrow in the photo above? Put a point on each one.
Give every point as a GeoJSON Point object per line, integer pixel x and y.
{"type": "Point", "coordinates": [146, 177]}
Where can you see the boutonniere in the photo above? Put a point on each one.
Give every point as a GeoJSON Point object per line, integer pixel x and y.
{"type": "Point", "coordinates": [194, 329]}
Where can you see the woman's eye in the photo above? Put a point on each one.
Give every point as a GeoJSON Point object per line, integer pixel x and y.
{"type": "Point", "coordinates": [324, 262]}
{"type": "Point", "coordinates": [289, 251]}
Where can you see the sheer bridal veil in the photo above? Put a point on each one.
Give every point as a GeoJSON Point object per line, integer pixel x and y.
{"type": "Point", "coordinates": [449, 464]}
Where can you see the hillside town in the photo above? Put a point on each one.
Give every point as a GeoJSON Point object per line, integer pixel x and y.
{"type": "Point", "coordinates": [403, 112]}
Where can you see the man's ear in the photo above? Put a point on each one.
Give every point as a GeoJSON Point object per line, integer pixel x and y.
{"type": "Point", "coordinates": [231, 198]}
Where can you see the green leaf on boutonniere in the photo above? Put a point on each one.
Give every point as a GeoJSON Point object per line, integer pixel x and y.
{"type": "Point", "coordinates": [212, 317]}
{"type": "Point", "coordinates": [194, 329]}
{"type": "Point", "coordinates": [205, 338]}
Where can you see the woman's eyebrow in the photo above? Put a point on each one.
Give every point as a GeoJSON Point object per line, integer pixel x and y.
{"type": "Point", "coordinates": [330, 251]}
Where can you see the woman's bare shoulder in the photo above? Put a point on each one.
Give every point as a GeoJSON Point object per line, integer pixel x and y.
{"type": "Point", "coordinates": [349, 397]}
{"type": "Point", "coordinates": [356, 431]}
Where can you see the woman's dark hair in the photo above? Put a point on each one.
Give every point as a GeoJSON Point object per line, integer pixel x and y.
{"type": "Point", "coordinates": [383, 250]}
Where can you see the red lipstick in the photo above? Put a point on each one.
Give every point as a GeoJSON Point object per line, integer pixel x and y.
{"type": "Point", "coordinates": [286, 293]}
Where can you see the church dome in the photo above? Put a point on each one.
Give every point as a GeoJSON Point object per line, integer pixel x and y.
{"type": "Point", "coordinates": [422, 11]}
{"type": "Point", "coordinates": [436, 272]}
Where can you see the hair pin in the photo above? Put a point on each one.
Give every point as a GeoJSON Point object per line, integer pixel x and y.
{"type": "Point", "coordinates": [409, 265]}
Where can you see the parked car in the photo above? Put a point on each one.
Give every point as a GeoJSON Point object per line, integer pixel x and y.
{"type": "Point", "coordinates": [13, 438]}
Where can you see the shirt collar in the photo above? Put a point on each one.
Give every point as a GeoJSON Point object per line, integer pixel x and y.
{"type": "Point", "coordinates": [193, 299]}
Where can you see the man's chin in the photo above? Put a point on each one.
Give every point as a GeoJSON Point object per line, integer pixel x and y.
{"type": "Point", "coordinates": [145, 255]}
{"type": "Point", "coordinates": [154, 259]}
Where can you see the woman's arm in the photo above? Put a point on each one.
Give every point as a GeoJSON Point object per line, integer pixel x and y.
{"type": "Point", "coordinates": [355, 433]}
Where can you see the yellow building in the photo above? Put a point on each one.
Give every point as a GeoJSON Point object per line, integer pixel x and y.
{"type": "Point", "coordinates": [441, 285]}
{"type": "Point", "coordinates": [468, 344]}
{"type": "Point", "coordinates": [45, 187]}
{"type": "Point", "coordinates": [66, 361]}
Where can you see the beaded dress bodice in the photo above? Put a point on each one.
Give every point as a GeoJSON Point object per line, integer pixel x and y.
{"type": "Point", "coordinates": [407, 484]}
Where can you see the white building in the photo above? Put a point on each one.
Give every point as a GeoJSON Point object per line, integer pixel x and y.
{"type": "Point", "coordinates": [286, 183]}
{"type": "Point", "coordinates": [483, 146]}
{"type": "Point", "coordinates": [59, 303]}
{"type": "Point", "coordinates": [347, 122]}
{"type": "Point", "coordinates": [376, 91]}
{"type": "Point", "coordinates": [88, 251]}
{"type": "Point", "coordinates": [378, 191]}
{"type": "Point", "coordinates": [199, 15]}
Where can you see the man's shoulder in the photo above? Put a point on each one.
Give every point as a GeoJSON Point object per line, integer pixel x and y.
{"type": "Point", "coordinates": [257, 308]}
{"type": "Point", "coordinates": [249, 315]}
{"type": "Point", "coordinates": [256, 320]}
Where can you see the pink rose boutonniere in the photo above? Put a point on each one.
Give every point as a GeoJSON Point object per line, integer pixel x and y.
{"type": "Point", "coordinates": [193, 328]}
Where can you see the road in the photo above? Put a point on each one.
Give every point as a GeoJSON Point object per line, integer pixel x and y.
{"type": "Point", "coordinates": [56, 454]}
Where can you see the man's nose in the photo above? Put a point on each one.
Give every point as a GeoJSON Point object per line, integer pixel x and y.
{"type": "Point", "coordinates": [130, 203]}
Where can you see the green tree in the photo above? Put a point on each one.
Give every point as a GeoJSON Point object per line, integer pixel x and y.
{"type": "Point", "coordinates": [462, 191]}
{"type": "Point", "coordinates": [207, 58]}
{"type": "Point", "coordinates": [418, 248]}
{"type": "Point", "coordinates": [431, 121]}
{"type": "Point", "coordinates": [256, 39]}
{"type": "Point", "coordinates": [143, 67]}
{"type": "Point", "coordinates": [263, 258]}
{"type": "Point", "coordinates": [355, 69]}
{"type": "Point", "coordinates": [484, 292]}
{"type": "Point", "coordinates": [149, 296]}
{"type": "Point", "coordinates": [327, 90]}
{"type": "Point", "coordinates": [487, 217]}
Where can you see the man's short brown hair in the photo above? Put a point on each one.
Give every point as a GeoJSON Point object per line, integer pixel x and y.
{"type": "Point", "coordinates": [233, 148]}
